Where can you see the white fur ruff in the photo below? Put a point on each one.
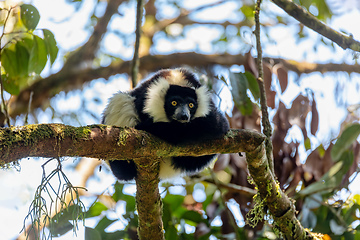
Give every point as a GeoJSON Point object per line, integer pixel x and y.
{"type": "Point", "coordinates": [203, 98]}
{"type": "Point", "coordinates": [178, 78]}
{"type": "Point", "coordinates": [155, 100]}
{"type": "Point", "coordinates": [121, 111]}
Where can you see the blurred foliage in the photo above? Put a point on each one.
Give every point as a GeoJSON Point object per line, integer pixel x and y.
{"type": "Point", "coordinates": [23, 53]}
{"type": "Point", "coordinates": [318, 184]}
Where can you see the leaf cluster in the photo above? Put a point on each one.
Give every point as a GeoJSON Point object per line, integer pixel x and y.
{"type": "Point", "coordinates": [26, 50]}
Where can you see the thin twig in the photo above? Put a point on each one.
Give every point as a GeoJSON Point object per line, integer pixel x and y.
{"type": "Point", "coordinates": [300, 14]}
{"type": "Point", "coordinates": [29, 108]}
{"type": "Point", "coordinates": [135, 62]}
{"type": "Point", "coordinates": [7, 119]}
{"type": "Point", "coordinates": [267, 130]}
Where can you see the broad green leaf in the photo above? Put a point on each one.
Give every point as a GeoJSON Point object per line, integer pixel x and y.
{"type": "Point", "coordinates": [29, 16]}
{"type": "Point", "coordinates": [166, 215]}
{"type": "Point", "coordinates": [95, 210]}
{"type": "Point", "coordinates": [171, 233]}
{"type": "Point", "coordinates": [118, 191]}
{"type": "Point", "coordinates": [103, 224]}
{"type": "Point", "coordinates": [58, 229]}
{"type": "Point", "coordinates": [60, 222]}
{"type": "Point", "coordinates": [253, 85]}
{"type": "Point", "coordinates": [239, 87]}
{"type": "Point", "coordinates": [22, 56]}
{"type": "Point", "coordinates": [28, 41]}
{"type": "Point", "coordinates": [11, 85]}
{"type": "Point", "coordinates": [50, 43]}
{"type": "Point", "coordinates": [92, 234]}
{"type": "Point", "coordinates": [15, 61]}
{"type": "Point", "coordinates": [332, 179]}
{"type": "Point", "coordinates": [174, 201]}
{"type": "Point", "coordinates": [346, 139]}
{"type": "Point", "coordinates": [9, 61]}
{"type": "Point", "coordinates": [192, 216]}
{"type": "Point", "coordinates": [130, 202]}
{"type": "Point", "coordinates": [38, 56]}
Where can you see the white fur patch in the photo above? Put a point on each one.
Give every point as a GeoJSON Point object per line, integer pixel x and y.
{"type": "Point", "coordinates": [167, 170]}
{"type": "Point", "coordinates": [155, 100]}
{"type": "Point", "coordinates": [203, 98]}
{"type": "Point", "coordinates": [178, 78]}
{"type": "Point", "coordinates": [121, 111]}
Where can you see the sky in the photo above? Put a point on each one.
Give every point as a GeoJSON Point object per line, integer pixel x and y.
{"type": "Point", "coordinates": [70, 34]}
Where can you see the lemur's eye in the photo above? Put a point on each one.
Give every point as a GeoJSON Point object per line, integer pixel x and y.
{"type": "Point", "coordinates": [191, 105]}
{"type": "Point", "coordinates": [174, 103]}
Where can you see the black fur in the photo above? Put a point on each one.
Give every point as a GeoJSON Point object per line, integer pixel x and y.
{"type": "Point", "coordinates": [213, 125]}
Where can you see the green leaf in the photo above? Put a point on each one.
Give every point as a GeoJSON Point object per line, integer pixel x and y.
{"type": "Point", "coordinates": [22, 56]}
{"type": "Point", "coordinates": [192, 216]}
{"type": "Point", "coordinates": [239, 87]}
{"type": "Point", "coordinates": [348, 136]}
{"type": "Point", "coordinates": [171, 233]}
{"type": "Point", "coordinates": [28, 41]}
{"type": "Point", "coordinates": [130, 203]}
{"type": "Point", "coordinates": [166, 215]}
{"type": "Point", "coordinates": [96, 210]}
{"type": "Point", "coordinates": [58, 229]}
{"type": "Point", "coordinates": [92, 234]}
{"type": "Point", "coordinates": [11, 85]}
{"type": "Point", "coordinates": [9, 61]}
{"type": "Point", "coordinates": [50, 43]}
{"type": "Point", "coordinates": [253, 85]}
{"type": "Point", "coordinates": [307, 144]}
{"type": "Point", "coordinates": [60, 221]}
{"type": "Point", "coordinates": [174, 201]}
{"type": "Point", "coordinates": [38, 56]}
{"type": "Point", "coordinates": [103, 224]}
{"type": "Point", "coordinates": [333, 178]}
{"type": "Point", "coordinates": [29, 16]}
{"type": "Point", "coordinates": [118, 191]}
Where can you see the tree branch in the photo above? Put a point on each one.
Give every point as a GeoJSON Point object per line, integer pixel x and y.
{"type": "Point", "coordinates": [278, 203]}
{"type": "Point", "coordinates": [267, 129]}
{"type": "Point", "coordinates": [313, 23]}
{"type": "Point", "coordinates": [48, 87]}
{"type": "Point", "coordinates": [87, 51]}
{"type": "Point", "coordinates": [104, 142]}
{"type": "Point", "coordinates": [135, 61]}
{"type": "Point", "coordinates": [148, 201]}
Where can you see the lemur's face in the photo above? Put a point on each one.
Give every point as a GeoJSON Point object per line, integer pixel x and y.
{"type": "Point", "coordinates": [180, 104]}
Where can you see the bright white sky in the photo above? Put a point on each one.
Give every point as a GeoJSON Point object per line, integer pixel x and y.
{"type": "Point", "coordinates": [20, 186]}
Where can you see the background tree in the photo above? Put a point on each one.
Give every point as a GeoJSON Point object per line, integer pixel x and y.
{"type": "Point", "coordinates": [309, 167]}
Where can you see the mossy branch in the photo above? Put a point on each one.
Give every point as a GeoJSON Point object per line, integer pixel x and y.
{"type": "Point", "coordinates": [280, 206]}
{"type": "Point", "coordinates": [106, 142]}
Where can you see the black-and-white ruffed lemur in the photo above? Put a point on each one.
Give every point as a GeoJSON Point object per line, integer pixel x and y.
{"type": "Point", "coordinates": [173, 106]}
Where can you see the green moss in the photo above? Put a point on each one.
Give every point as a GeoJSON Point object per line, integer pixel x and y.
{"type": "Point", "coordinates": [257, 213]}
{"type": "Point", "coordinates": [123, 136]}
{"type": "Point", "coordinates": [268, 187]}
{"type": "Point", "coordinates": [75, 133]}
